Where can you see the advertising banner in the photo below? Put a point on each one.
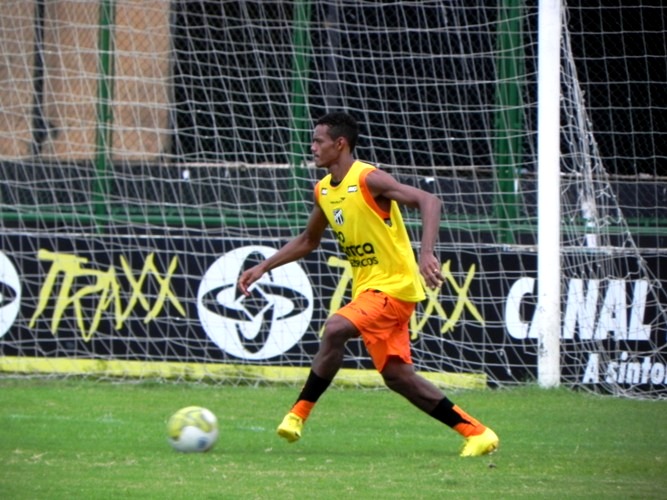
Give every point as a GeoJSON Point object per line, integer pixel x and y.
{"type": "Point", "coordinates": [175, 299]}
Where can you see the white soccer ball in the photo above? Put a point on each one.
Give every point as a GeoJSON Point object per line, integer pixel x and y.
{"type": "Point", "coordinates": [192, 429]}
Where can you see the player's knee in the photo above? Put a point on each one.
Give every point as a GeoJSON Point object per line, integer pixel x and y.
{"type": "Point", "coordinates": [398, 376]}
{"type": "Point", "coordinates": [393, 379]}
{"type": "Point", "coordinates": [395, 382]}
{"type": "Point", "coordinates": [338, 330]}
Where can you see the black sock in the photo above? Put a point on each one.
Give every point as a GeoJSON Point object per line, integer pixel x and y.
{"type": "Point", "coordinates": [445, 413]}
{"type": "Point", "coordinates": [313, 388]}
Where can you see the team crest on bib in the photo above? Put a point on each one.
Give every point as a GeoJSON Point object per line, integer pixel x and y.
{"type": "Point", "coordinates": [338, 216]}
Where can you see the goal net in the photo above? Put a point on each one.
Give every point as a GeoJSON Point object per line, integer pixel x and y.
{"type": "Point", "coordinates": [150, 150]}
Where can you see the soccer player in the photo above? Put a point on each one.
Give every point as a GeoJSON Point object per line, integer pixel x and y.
{"type": "Point", "coordinates": [361, 204]}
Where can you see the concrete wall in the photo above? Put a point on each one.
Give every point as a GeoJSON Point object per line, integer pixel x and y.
{"type": "Point", "coordinates": [16, 86]}
{"type": "Point", "coordinates": [71, 30]}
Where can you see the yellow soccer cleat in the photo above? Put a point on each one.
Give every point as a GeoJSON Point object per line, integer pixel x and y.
{"type": "Point", "coordinates": [482, 444]}
{"type": "Point", "coordinates": [290, 427]}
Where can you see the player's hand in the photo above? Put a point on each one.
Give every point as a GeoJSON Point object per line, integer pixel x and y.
{"type": "Point", "coordinates": [248, 277]}
{"type": "Point", "coordinates": [430, 268]}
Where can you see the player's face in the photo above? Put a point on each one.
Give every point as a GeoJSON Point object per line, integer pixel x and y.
{"type": "Point", "coordinates": [325, 150]}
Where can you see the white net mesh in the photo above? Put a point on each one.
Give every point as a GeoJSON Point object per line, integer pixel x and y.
{"type": "Point", "coordinates": [151, 150]}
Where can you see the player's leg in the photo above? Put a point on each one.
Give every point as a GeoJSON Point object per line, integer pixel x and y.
{"type": "Point", "coordinates": [326, 363]}
{"type": "Point", "coordinates": [329, 358]}
{"type": "Point", "coordinates": [388, 342]}
{"type": "Point", "coordinates": [401, 378]}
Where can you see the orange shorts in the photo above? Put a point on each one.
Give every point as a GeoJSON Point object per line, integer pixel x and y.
{"type": "Point", "coordinates": [383, 323]}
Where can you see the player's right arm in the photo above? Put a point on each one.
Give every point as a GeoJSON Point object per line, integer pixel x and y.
{"type": "Point", "coordinates": [299, 247]}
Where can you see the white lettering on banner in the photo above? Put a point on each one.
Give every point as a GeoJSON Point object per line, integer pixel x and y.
{"type": "Point", "coordinates": [592, 372]}
{"type": "Point", "coordinates": [581, 310]}
{"type": "Point", "coordinates": [625, 371]}
{"type": "Point", "coordinates": [516, 327]}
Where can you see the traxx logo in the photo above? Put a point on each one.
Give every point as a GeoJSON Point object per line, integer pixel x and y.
{"type": "Point", "coordinates": [268, 322]}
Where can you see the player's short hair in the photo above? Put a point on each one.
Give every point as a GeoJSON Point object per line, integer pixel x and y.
{"type": "Point", "coordinates": [341, 125]}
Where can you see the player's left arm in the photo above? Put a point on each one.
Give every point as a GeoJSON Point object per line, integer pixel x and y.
{"type": "Point", "coordinates": [383, 185]}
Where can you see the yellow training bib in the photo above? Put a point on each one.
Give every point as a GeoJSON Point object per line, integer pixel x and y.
{"type": "Point", "coordinates": [375, 242]}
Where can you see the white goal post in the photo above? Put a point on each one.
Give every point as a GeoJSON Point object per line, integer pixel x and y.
{"type": "Point", "coordinates": [548, 200]}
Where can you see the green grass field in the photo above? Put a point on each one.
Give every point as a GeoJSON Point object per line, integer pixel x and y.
{"type": "Point", "coordinates": [70, 439]}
